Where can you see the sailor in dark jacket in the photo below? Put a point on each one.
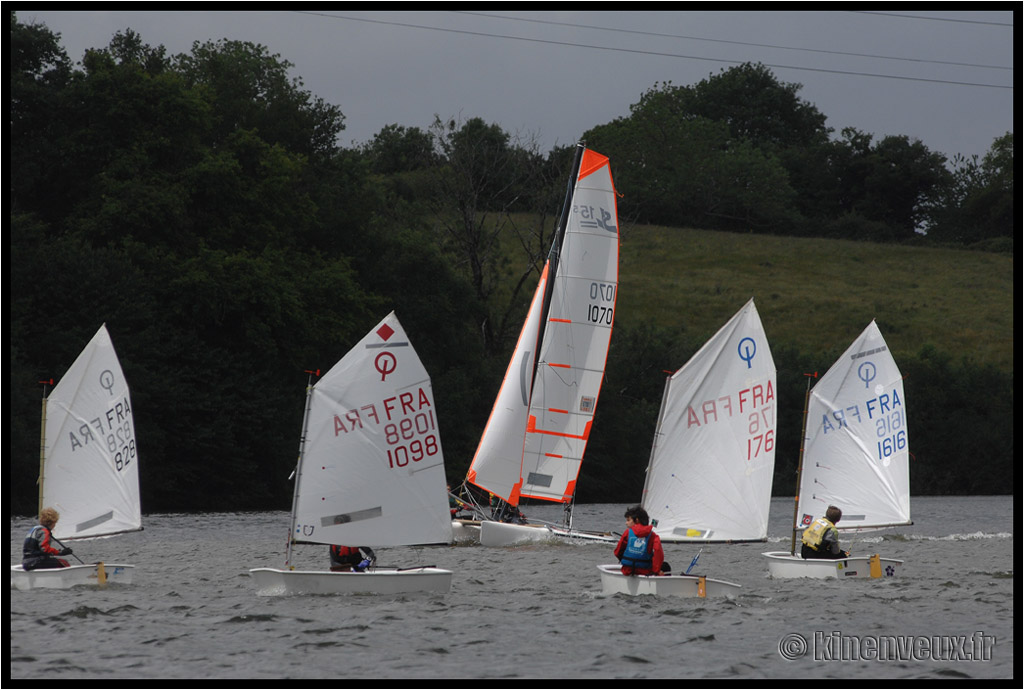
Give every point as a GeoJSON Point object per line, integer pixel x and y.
{"type": "Point", "coordinates": [37, 552]}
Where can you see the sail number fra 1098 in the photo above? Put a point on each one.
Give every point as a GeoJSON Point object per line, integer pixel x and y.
{"type": "Point", "coordinates": [410, 430]}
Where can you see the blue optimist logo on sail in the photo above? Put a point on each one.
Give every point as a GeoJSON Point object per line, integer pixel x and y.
{"type": "Point", "coordinates": [866, 372]}
{"type": "Point", "coordinates": [746, 350]}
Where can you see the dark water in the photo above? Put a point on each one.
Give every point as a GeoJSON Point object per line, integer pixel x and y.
{"type": "Point", "coordinates": [528, 612]}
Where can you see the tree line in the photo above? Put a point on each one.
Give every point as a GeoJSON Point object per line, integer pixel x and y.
{"type": "Point", "coordinates": [200, 205]}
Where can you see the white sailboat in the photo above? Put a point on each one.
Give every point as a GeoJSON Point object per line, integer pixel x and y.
{"type": "Point", "coordinates": [370, 470]}
{"type": "Point", "coordinates": [89, 465]}
{"type": "Point", "coordinates": [534, 442]}
{"type": "Point", "coordinates": [856, 457]}
{"type": "Point", "coordinates": [709, 478]}
{"type": "Point", "coordinates": [614, 582]}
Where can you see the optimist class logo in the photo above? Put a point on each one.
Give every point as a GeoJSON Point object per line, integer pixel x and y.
{"type": "Point", "coordinates": [386, 362]}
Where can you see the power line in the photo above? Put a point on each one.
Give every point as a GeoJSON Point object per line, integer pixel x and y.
{"type": "Point", "coordinates": [636, 51]}
{"type": "Point", "coordinates": [739, 43]}
{"type": "Point", "coordinates": [934, 19]}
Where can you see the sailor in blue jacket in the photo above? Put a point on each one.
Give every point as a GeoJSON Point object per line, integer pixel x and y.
{"type": "Point", "coordinates": [639, 548]}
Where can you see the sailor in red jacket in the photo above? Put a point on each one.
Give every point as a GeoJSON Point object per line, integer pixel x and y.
{"type": "Point", "coordinates": [354, 558]}
{"type": "Point", "coordinates": [639, 549]}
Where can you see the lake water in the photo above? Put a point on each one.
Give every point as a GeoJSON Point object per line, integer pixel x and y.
{"type": "Point", "coordinates": [531, 612]}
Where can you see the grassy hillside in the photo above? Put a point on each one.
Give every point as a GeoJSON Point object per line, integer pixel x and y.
{"type": "Point", "coordinates": [819, 294]}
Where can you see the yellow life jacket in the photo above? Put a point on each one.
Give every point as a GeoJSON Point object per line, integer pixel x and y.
{"type": "Point", "coordinates": [815, 534]}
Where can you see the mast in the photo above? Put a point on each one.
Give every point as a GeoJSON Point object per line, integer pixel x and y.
{"type": "Point", "coordinates": [800, 466]}
{"type": "Point", "coordinates": [555, 252]}
{"type": "Point", "coordinates": [657, 433]}
{"type": "Point", "coordinates": [298, 466]}
{"type": "Point", "coordinates": [42, 447]}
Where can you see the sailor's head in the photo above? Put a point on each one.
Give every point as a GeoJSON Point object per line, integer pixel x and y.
{"type": "Point", "coordinates": [48, 517]}
{"type": "Point", "coordinates": [638, 515]}
{"type": "Point", "coordinates": [832, 514]}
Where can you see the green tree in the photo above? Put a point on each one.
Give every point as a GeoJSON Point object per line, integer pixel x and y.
{"type": "Point", "coordinates": [250, 89]}
{"type": "Point", "coordinates": [396, 149]}
{"type": "Point", "coordinates": [978, 204]}
{"type": "Point", "coordinates": [879, 191]}
{"type": "Point", "coordinates": [482, 180]}
{"type": "Point", "coordinates": [755, 106]}
{"type": "Point", "coordinates": [684, 170]}
{"type": "Point", "coordinates": [40, 74]}
{"type": "Point", "coordinates": [186, 236]}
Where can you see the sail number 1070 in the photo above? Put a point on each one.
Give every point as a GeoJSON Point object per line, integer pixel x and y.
{"type": "Point", "coordinates": [598, 313]}
{"type": "Point", "coordinates": [411, 439]}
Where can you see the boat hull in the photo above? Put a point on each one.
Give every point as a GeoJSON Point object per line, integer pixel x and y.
{"type": "Point", "coordinates": [614, 582]}
{"type": "Point", "coordinates": [466, 531]}
{"type": "Point", "coordinates": [276, 582]}
{"type": "Point", "coordinates": [782, 565]}
{"type": "Point", "coordinates": [72, 576]}
{"type": "Point", "coordinates": [506, 534]}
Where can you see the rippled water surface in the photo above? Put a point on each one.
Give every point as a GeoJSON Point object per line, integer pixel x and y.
{"type": "Point", "coordinates": [527, 612]}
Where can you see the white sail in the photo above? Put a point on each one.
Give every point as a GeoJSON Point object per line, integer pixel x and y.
{"type": "Point", "coordinates": [90, 468]}
{"type": "Point", "coordinates": [857, 455]}
{"type": "Point", "coordinates": [498, 463]}
{"type": "Point", "coordinates": [535, 439]}
{"type": "Point", "coordinates": [710, 471]}
{"type": "Point", "coordinates": [577, 333]}
{"type": "Point", "coordinates": [372, 469]}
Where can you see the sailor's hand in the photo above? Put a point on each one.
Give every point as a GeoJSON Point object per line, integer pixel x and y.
{"type": "Point", "coordinates": [65, 551]}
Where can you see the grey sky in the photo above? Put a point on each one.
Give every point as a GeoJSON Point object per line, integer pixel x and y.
{"type": "Point", "coordinates": [945, 78]}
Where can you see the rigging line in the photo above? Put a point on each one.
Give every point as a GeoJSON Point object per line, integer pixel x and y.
{"type": "Point", "coordinates": [738, 43]}
{"type": "Point", "coordinates": [656, 53]}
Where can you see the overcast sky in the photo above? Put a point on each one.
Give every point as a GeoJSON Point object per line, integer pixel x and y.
{"type": "Point", "coordinates": [945, 78]}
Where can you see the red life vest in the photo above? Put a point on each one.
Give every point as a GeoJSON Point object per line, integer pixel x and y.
{"type": "Point", "coordinates": [345, 555]}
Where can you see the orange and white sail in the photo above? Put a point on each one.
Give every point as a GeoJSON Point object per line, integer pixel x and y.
{"type": "Point", "coordinates": [534, 442]}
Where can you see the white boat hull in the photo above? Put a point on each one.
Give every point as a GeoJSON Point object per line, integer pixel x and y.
{"type": "Point", "coordinates": [72, 576]}
{"type": "Point", "coordinates": [507, 534]}
{"type": "Point", "coordinates": [782, 564]}
{"type": "Point", "coordinates": [275, 582]}
{"type": "Point", "coordinates": [614, 582]}
{"type": "Point", "coordinates": [466, 531]}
